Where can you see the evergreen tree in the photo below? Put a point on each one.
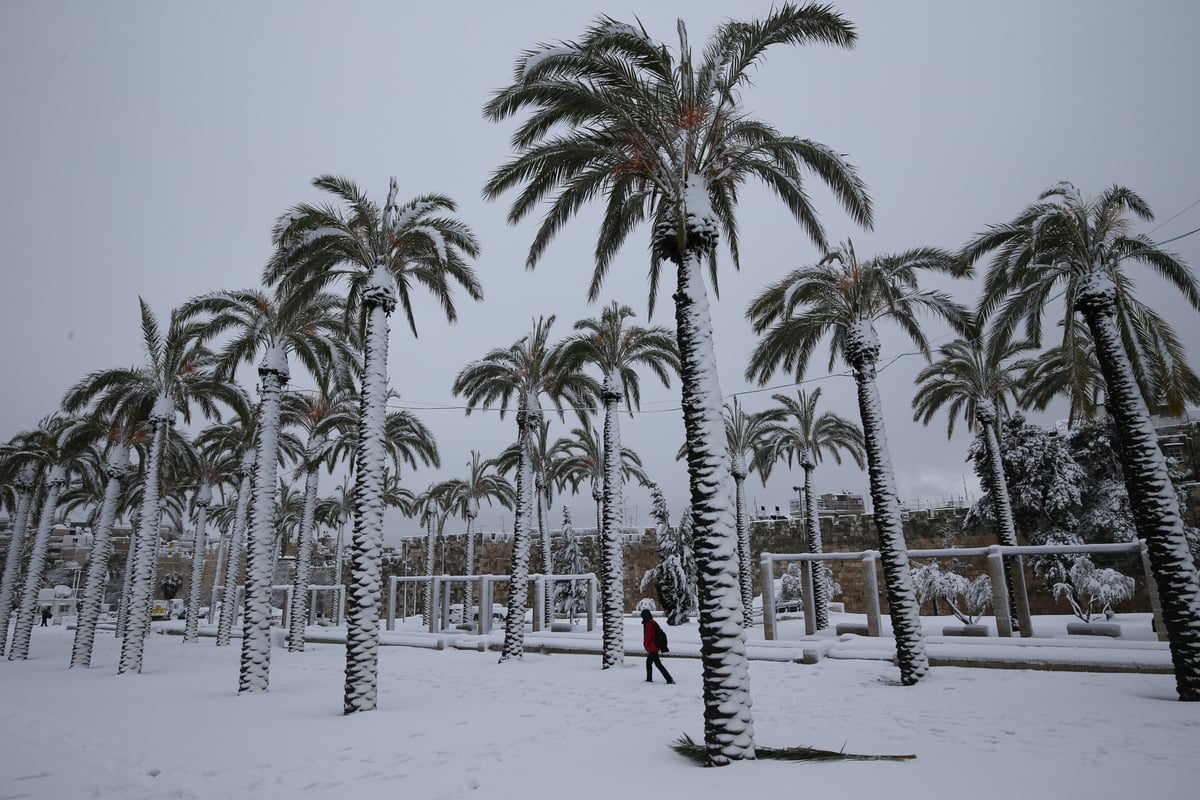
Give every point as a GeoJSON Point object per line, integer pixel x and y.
{"type": "Point", "coordinates": [570, 597]}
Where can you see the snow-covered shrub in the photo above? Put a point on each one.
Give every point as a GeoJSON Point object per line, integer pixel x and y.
{"type": "Point", "coordinates": [172, 582]}
{"type": "Point", "coordinates": [673, 582]}
{"type": "Point", "coordinates": [968, 599]}
{"type": "Point", "coordinates": [1093, 590]}
{"type": "Point", "coordinates": [570, 597]}
{"type": "Point", "coordinates": [791, 586]}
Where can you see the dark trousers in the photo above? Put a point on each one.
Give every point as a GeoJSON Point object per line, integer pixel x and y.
{"type": "Point", "coordinates": [652, 660]}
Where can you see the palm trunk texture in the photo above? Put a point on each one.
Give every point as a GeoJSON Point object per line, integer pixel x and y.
{"type": "Point", "coordinates": [191, 626]}
{"type": "Point", "coordinates": [902, 597]}
{"type": "Point", "coordinates": [299, 610]}
{"type": "Point", "coordinates": [19, 650]}
{"type": "Point", "coordinates": [237, 544]}
{"type": "Point", "coordinates": [366, 547]}
{"type": "Point", "coordinates": [816, 545]}
{"type": "Point", "coordinates": [612, 568]}
{"type": "Point", "coordinates": [1151, 494]}
{"type": "Point", "coordinates": [16, 550]}
{"type": "Point", "coordinates": [728, 722]}
{"type": "Point", "coordinates": [116, 467]}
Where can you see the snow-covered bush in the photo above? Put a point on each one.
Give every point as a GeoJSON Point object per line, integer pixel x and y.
{"type": "Point", "coordinates": [673, 582]}
{"type": "Point", "coordinates": [172, 582]}
{"type": "Point", "coordinates": [1093, 590]}
{"type": "Point", "coordinates": [570, 597]}
{"type": "Point", "coordinates": [968, 599]}
{"type": "Point", "coordinates": [791, 586]}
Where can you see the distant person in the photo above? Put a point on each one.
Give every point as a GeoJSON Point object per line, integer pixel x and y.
{"type": "Point", "coordinates": [45, 616]}
{"type": "Point", "coordinates": [654, 639]}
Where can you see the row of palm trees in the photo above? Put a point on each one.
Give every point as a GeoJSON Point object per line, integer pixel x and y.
{"type": "Point", "coordinates": [659, 135]}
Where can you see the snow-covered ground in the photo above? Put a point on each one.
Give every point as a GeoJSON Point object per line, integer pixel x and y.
{"type": "Point", "coordinates": [453, 723]}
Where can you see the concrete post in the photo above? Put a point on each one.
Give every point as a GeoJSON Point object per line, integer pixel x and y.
{"type": "Point", "coordinates": [995, 566]}
{"type": "Point", "coordinates": [871, 589]}
{"type": "Point", "coordinates": [768, 595]}
{"type": "Point", "coordinates": [391, 606]}
{"type": "Point", "coordinates": [539, 602]}
{"type": "Point", "coordinates": [808, 597]}
{"type": "Point", "coordinates": [591, 603]}
{"type": "Point", "coordinates": [435, 587]}
{"type": "Point", "coordinates": [1021, 595]}
{"type": "Point", "coordinates": [1152, 591]}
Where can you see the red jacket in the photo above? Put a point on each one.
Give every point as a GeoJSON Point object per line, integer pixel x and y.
{"type": "Point", "coordinates": [649, 628]}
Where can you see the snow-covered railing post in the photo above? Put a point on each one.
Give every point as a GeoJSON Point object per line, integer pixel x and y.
{"type": "Point", "coordinates": [1016, 567]}
{"type": "Point", "coordinates": [871, 592]}
{"type": "Point", "coordinates": [539, 604]}
{"type": "Point", "coordinates": [391, 605]}
{"type": "Point", "coordinates": [768, 597]}
{"type": "Point", "coordinates": [485, 604]}
{"type": "Point", "coordinates": [435, 599]}
{"type": "Point", "coordinates": [809, 596]}
{"type": "Point", "coordinates": [995, 566]}
{"type": "Point", "coordinates": [1152, 592]}
{"type": "Point", "coordinates": [591, 603]}
{"type": "Point", "coordinates": [444, 603]}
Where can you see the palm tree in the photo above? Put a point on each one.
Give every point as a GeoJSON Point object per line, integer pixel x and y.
{"type": "Point", "coordinates": [177, 374]}
{"type": "Point", "coordinates": [24, 482]}
{"type": "Point", "coordinates": [326, 416]}
{"type": "Point", "coordinates": [116, 469]}
{"type": "Point", "coordinates": [1076, 247]}
{"type": "Point", "coordinates": [522, 371]}
{"type": "Point", "coordinates": [216, 468]}
{"type": "Point", "coordinates": [617, 349]}
{"type": "Point", "coordinates": [308, 325]}
{"type": "Point", "coordinates": [584, 460]}
{"type": "Point", "coordinates": [482, 483]}
{"type": "Point", "coordinates": [974, 377]}
{"type": "Point", "coordinates": [433, 506]}
{"type": "Point", "coordinates": [662, 136]}
{"type": "Point", "coordinates": [744, 441]}
{"type": "Point", "coordinates": [845, 297]}
{"type": "Point", "coordinates": [58, 446]}
{"type": "Point", "coordinates": [382, 251]}
{"type": "Point", "coordinates": [797, 433]}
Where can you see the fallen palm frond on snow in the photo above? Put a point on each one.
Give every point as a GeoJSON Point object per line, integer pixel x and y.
{"type": "Point", "coordinates": [696, 752]}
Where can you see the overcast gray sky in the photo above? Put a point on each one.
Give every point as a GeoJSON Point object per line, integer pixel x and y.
{"type": "Point", "coordinates": [146, 148]}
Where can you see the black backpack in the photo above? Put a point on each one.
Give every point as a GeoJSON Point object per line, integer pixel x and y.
{"type": "Point", "coordinates": [660, 638]}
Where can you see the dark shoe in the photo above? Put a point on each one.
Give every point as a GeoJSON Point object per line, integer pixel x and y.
{"type": "Point", "coordinates": [670, 681]}
{"type": "Point", "coordinates": [649, 680]}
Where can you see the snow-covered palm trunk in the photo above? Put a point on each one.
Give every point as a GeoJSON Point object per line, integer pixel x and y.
{"type": "Point", "coordinates": [191, 627]}
{"type": "Point", "coordinates": [469, 566]}
{"type": "Point", "coordinates": [145, 543]}
{"type": "Point", "coordinates": [126, 584]}
{"type": "Point", "coordinates": [299, 611]}
{"type": "Point", "coordinates": [366, 546]}
{"type": "Point", "coordinates": [993, 478]}
{"type": "Point", "coordinates": [598, 499]}
{"type": "Point", "coordinates": [815, 545]}
{"type": "Point", "coordinates": [427, 610]}
{"type": "Point", "coordinates": [529, 419]}
{"type": "Point", "coordinates": [728, 721]}
{"type": "Point", "coordinates": [116, 467]}
{"type": "Point", "coordinates": [612, 582]}
{"type": "Point", "coordinates": [260, 543]}
{"type": "Point", "coordinates": [237, 543]}
{"type": "Point", "coordinates": [1151, 494]}
{"type": "Point", "coordinates": [737, 469]}
{"type": "Point", "coordinates": [16, 549]}
{"type": "Point", "coordinates": [19, 651]}
{"type": "Point", "coordinates": [862, 350]}
{"type": "Point", "coordinates": [547, 556]}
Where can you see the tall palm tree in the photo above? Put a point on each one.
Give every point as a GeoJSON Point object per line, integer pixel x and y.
{"type": "Point", "coordinates": [116, 467]}
{"type": "Point", "coordinates": [176, 374]}
{"type": "Point", "coordinates": [309, 326]}
{"type": "Point", "coordinates": [584, 461]}
{"type": "Point", "coordinates": [24, 481]}
{"type": "Point", "coordinates": [797, 433]}
{"type": "Point", "coordinates": [1084, 250]}
{"type": "Point", "coordinates": [481, 483]}
{"type": "Point", "coordinates": [326, 416]}
{"type": "Point", "coordinates": [974, 377]}
{"type": "Point", "coordinates": [662, 135]}
{"type": "Point", "coordinates": [382, 251]}
{"type": "Point", "coordinates": [58, 445]}
{"type": "Point", "coordinates": [523, 372]}
{"type": "Point", "coordinates": [617, 349]}
{"type": "Point", "coordinates": [845, 297]}
{"type": "Point", "coordinates": [744, 441]}
{"type": "Point", "coordinates": [216, 468]}
{"type": "Point", "coordinates": [433, 506]}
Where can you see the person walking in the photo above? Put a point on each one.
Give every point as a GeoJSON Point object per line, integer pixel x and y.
{"type": "Point", "coordinates": [46, 614]}
{"type": "Point", "coordinates": [654, 640]}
